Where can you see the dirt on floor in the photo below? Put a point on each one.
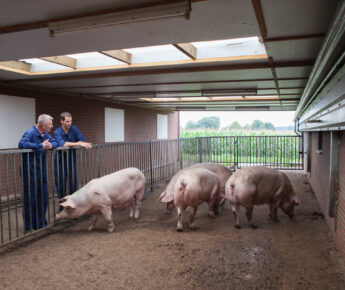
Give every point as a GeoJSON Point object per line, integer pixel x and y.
{"type": "Point", "coordinates": [150, 254]}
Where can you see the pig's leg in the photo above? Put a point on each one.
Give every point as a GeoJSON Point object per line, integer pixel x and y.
{"type": "Point", "coordinates": [131, 214]}
{"type": "Point", "coordinates": [107, 214]}
{"type": "Point", "coordinates": [249, 214]}
{"type": "Point", "coordinates": [192, 212]}
{"type": "Point", "coordinates": [273, 212]}
{"type": "Point", "coordinates": [137, 209]}
{"type": "Point", "coordinates": [137, 202]}
{"type": "Point", "coordinates": [236, 213]}
{"type": "Point", "coordinates": [179, 219]}
{"type": "Point", "coordinates": [211, 210]}
{"type": "Point", "coordinates": [93, 222]}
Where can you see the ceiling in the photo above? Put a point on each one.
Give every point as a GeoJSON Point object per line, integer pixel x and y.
{"type": "Point", "coordinates": [291, 31]}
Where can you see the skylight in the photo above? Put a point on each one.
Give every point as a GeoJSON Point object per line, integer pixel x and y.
{"type": "Point", "coordinates": [227, 50]}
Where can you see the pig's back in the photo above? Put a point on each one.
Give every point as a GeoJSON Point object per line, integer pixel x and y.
{"type": "Point", "coordinates": [256, 185]}
{"type": "Point", "coordinates": [121, 185]}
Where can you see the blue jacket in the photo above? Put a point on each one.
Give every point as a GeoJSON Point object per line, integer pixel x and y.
{"type": "Point", "coordinates": [74, 135]}
{"type": "Point", "coordinates": [32, 139]}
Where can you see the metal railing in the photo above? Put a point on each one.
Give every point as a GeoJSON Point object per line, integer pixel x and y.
{"type": "Point", "coordinates": [279, 152]}
{"type": "Point", "coordinates": [31, 182]}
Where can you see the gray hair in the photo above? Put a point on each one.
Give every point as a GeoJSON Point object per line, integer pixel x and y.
{"type": "Point", "coordinates": [43, 119]}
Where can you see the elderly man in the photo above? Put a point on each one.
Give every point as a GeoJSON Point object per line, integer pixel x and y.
{"type": "Point", "coordinates": [67, 135]}
{"type": "Point", "coordinates": [34, 172]}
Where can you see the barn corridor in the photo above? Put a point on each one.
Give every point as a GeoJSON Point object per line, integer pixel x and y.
{"type": "Point", "coordinates": [150, 254]}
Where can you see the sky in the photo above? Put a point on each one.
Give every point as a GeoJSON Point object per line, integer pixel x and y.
{"type": "Point", "coordinates": [277, 118]}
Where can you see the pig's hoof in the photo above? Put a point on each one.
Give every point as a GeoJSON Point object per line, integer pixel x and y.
{"type": "Point", "coordinates": [211, 214]}
{"type": "Point", "coordinates": [90, 228]}
{"type": "Point", "coordinates": [193, 228]}
{"type": "Point", "coordinates": [180, 230]}
{"type": "Point", "coordinates": [110, 230]}
{"type": "Point", "coordinates": [254, 226]}
{"type": "Point", "coordinates": [238, 227]}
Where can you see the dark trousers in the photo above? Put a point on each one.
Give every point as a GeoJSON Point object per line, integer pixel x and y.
{"type": "Point", "coordinates": [35, 201]}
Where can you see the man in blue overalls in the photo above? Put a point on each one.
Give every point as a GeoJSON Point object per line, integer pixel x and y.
{"type": "Point", "coordinates": [65, 163]}
{"type": "Point", "coordinates": [34, 164]}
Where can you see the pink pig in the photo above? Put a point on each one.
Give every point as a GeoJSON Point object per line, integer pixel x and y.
{"type": "Point", "coordinates": [115, 190]}
{"type": "Point", "coordinates": [260, 185]}
{"type": "Point", "coordinates": [192, 187]}
{"type": "Point", "coordinates": [223, 173]}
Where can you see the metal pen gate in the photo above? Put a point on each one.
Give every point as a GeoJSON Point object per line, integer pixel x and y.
{"type": "Point", "coordinates": [279, 152]}
{"type": "Point", "coordinates": [158, 160]}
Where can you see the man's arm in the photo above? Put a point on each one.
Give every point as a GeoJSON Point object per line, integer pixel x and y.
{"type": "Point", "coordinates": [25, 142]}
{"type": "Point", "coordinates": [86, 145]}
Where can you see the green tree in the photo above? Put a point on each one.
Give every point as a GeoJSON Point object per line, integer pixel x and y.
{"type": "Point", "coordinates": [257, 125]}
{"type": "Point", "coordinates": [269, 126]}
{"type": "Point", "coordinates": [234, 125]}
{"type": "Point", "coordinates": [209, 122]}
{"type": "Point", "coordinates": [191, 125]}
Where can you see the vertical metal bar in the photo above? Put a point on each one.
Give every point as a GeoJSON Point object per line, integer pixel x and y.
{"type": "Point", "coordinates": [15, 193]}
{"type": "Point", "coordinates": [98, 162]}
{"type": "Point", "coordinates": [42, 193]}
{"type": "Point", "coordinates": [151, 168]}
{"type": "Point", "coordinates": [53, 185]}
{"type": "Point", "coordinates": [1, 219]}
{"type": "Point", "coordinates": [8, 199]}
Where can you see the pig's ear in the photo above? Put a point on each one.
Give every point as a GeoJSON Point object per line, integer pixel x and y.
{"type": "Point", "coordinates": [166, 197]}
{"type": "Point", "coordinates": [62, 199]}
{"type": "Point", "coordinates": [67, 205]}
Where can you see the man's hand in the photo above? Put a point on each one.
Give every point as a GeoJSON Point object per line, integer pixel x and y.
{"type": "Point", "coordinates": [46, 145]}
{"type": "Point", "coordinates": [86, 145]}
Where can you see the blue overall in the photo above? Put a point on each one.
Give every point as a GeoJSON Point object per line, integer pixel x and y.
{"type": "Point", "coordinates": [35, 190]}
{"type": "Point", "coordinates": [67, 165]}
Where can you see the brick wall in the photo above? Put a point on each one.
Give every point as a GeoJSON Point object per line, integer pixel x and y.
{"type": "Point", "coordinates": [88, 116]}
{"type": "Point", "coordinates": [319, 181]}
{"type": "Point", "coordinates": [319, 175]}
{"type": "Point", "coordinates": [340, 227]}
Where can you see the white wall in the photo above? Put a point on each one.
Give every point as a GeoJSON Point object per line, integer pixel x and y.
{"type": "Point", "coordinates": [17, 115]}
{"type": "Point", "coordinates": [162, 126]}
{"type": "Point", "coordinates": [114, 124]}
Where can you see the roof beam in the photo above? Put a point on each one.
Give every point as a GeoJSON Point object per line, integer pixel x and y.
{"type": "Point", "coordinates": [187, 48]}
{"type": "Point", "coordinates": [228, 67]}
{"type": "Point", "coordinates": [294, 37]}
{"type": "Point", "coordinates": [181, 83]}
{"type": "Point", "coordinates": [119, 54]}
{"type": "Point", "coordinates": [260, 17]}
{"type": "Point", "coordinates": [16, 66]}
{"type": "Point", "coordinates": [62, 60]}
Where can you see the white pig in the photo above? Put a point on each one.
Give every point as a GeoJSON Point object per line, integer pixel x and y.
{"type": "Point", "coordinates": [260, 185]}
{"type": "Point", "coordinates": [223, 173]}
{"type": "Point", "coordinates": [100, 195]}
{"type": "Point", "coordinates": [193, 186]}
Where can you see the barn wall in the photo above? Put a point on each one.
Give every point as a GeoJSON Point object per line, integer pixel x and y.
{"type": "Point", "coordinates": [88, 116]}
{"type": "Point", "coordinates": [340, 226]}
{"type": "Point", "coordinates": [319, 176]}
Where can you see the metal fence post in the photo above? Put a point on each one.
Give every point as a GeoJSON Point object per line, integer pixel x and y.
{"type": "Point", "coordinates": [200, 149]}
{"type": "Point", "coordinates": [151, 167]}
{"type": "Point", "coordinates": [98, 162]}
{"type": "Point", "coordinates": [180, 152]}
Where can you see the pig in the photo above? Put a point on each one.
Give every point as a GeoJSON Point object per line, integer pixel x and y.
{"type": "Point", "coordinates": [115, 190]}
{"type": "Point", "coordinates": [193, 187]}
{"type": "Point", "coordinates": [260, 185]}
{"type": "Point", "coordinates": [223, 173]}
